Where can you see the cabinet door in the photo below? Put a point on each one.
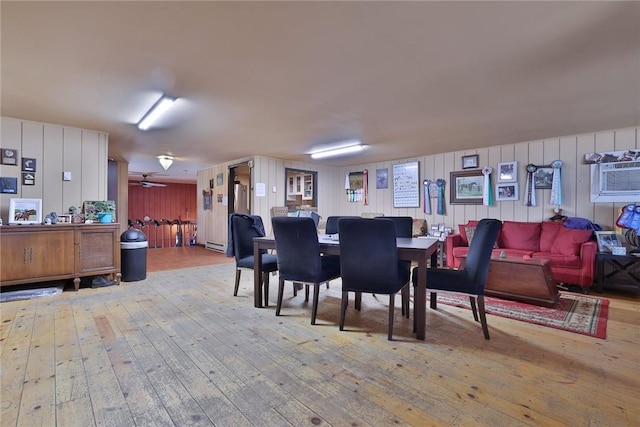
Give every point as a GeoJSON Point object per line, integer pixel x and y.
{"type": "Point", "coordinates": [16, 257]}
{"type": "Point", "coordinates": [52, 253]}
{"type": "Point", "coordinates": [96, 249]}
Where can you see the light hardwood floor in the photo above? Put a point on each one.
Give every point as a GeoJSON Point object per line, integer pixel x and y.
{"type": "Point", "coordinates": [179, 349]}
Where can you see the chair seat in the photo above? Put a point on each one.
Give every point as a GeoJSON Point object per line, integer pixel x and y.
{"type": "Point", "coordinates": [329, 270]}
{"type": "Point", "coordinates": [269, 262]}
{"type": "Point", "coordinates": [449, 280]}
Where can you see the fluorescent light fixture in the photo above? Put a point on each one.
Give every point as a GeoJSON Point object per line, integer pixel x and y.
{"type": "Point", "coordinates": [355, 146]}
{"type": "Point", "coordinates": [158, 109]}
{"type": "Point", "coordinates": [165, 161]}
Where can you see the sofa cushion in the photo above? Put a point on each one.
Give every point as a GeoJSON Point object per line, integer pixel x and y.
{"type": "Point", "coordinates": [559, 260]}
{"type": "Point", "coordinates": [520, 235]}
{"type": "Point", "coordinates": [463, 233]}
{"type": "Point", "coordinates": [568, 241]}
{"type": "Point", "coordinates": [548, 235]}
{"type": "Point", "coordinates": [511, 252]}
{"type": "Point", "coordinates": [470, 232]}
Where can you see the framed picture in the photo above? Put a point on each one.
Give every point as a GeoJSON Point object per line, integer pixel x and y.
{"type": "Point", "coordinates": [28, 164]}
{"type": "Point", "coordinates": [466, 187]}
{"type": "Point", "coordinates": [506, 192]}
{"type": "Point", "coordinates": [382, 178]}
{"type": "Point", "coordinates": [608, 240]}
{"type": "Point", "coordinates": [8, 185]}
{"type": "Point", "coordinates": [406, 185]}
{"type": "Point", "coordinates": [543, 177]}
{"type": "Point", "coordinates": [508, 172]}
{"type": "Point", "coordinates": [470, 162]}
{"type": "Point", "coordinates": [28, 178]}
{"type": "Point", "coordinates": [219, 179]}
{"type": "Point", "coordinates": [25, 211]}
{"type": "Point", "coordinates": [9, 156]}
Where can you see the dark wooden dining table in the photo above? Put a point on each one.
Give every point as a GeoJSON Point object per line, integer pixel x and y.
{"type": "Point", "coordinates": [419, 250]}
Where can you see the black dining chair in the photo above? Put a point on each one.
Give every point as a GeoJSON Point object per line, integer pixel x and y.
{"type": "Point", "coordinates": [472, 278]}
{"type": "Point", "coordinates": [332, 223]}
{"type": "Point", "coordinates": [299, 258]}
{"type": "Point", "coordinates": [369, 263]}
{"type": "Point", "coordinates": [404, 228]}
{"type": "Point", "coordinates": [242, 229]}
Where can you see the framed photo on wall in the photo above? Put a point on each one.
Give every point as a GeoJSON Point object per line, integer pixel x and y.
{"type": "Point", "coordinates": [508, 172]}
{"type": "Point", "coordinates": [25, 211]}
{"type": "Point", "coordinates": [507, 192]}
{"type": "Point", "coordinates": [382, 178]}
{"type": "Point", "coordinates": [470, 162]}
{"type": "Point", "coordinates": [543, 177]}
{"type": "Point", "coordinates": [466, 187]}
{"type": "Point", "coordinates": [406, 185]}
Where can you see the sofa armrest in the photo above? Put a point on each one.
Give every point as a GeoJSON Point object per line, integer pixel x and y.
{"type": "Point", "coordinates": [452, 241]}
{"type": "Point", "coordinates": [588, 251]}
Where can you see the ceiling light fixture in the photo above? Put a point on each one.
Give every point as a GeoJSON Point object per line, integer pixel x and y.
{"type": "Point", "coordinates": [345, 149]}
{"type": "Point", "coordinates": [158, 109]}
{"type": "Point", "coordinates": [165, 161]}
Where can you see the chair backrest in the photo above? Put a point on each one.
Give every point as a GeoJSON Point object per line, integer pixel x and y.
{"type": "Point", "coordinates": [403, 225]}
{"type": "Point", "coordinates": [477, 263]}
{"type": "Point", "coordinates": [297, 248]}
{"type": "Point", "coordinates": [244, 228]}
{"type": "Point", "coordinates": [368, 255]}
{"type": "Point", "coordinates": [279, 211]}
{"type": "Point", "coordinates": [332, 223]}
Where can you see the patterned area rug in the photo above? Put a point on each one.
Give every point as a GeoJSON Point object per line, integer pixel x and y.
{"type": "Point", "coordinates": [580, 314]}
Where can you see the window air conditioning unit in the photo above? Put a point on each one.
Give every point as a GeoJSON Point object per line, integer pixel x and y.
{"type": "Point", "coordinates": [615, 182]}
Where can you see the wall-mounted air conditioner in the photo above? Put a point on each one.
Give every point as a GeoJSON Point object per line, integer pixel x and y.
{"type": "Point", "coordinates": [615, 182]}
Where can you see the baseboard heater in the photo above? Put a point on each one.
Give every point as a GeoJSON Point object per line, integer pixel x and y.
{"type": "Point", "coordinates": [215, 246]}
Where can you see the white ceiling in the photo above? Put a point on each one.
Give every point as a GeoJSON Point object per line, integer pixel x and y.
{"type": "Point", "coordinates": [278, 79]}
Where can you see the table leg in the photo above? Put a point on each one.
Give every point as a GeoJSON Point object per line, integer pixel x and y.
{"type": "Point", "coordinates": [421, 299]}
{"type": "Point", "coordinates": [257, 276]}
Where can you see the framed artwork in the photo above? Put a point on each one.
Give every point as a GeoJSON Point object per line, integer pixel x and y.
{"type": "Point", "coordinates": [406, 185]}
{"type": "Point", "coordinates": [93, 208]}
{"type": "Point", "coordinates": [8, 185]}
{"type": "Point", "coordinates": [382, 178]}
{"type": "Point", "coordinates": [9, 156]}
{"type": "Point", "coordinates": [28, 164]}
{"type": "Point", "coordinates": [28, 178]}
{"type": "Point", "coordinates": [219, 179]}
{"type": "Point", "coordinates": [608, 240]}
{"type": "Point", "coordinates": [508, 172]}
{"type": "Point", "coordinates": [506, 192]}
{"type": "Point", "coordinates": [466, 187]}
{"type": "Point", "coordinates": [25, 211]}
{"type": "Point", "coordinates": [470, 162]}
{"type": "Point", "coordinates": [543, 177]}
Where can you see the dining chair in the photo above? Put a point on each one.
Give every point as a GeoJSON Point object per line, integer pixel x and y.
{"type": "Point", "coordinates": [242, 230]}
{"type": "Point", "coordinates": [299, 258]}
{"type": "Point", "coordinates": [369, 263]}
{"type": "Point", "coordinates": [403, 226]}
{"type": "Point", "coordinates": [472, 276]}
{"type": "Point", "coordinates": [332, 223]}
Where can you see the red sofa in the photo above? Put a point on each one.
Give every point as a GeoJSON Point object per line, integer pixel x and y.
{"type": "Point", "coordinates": [572, 252]}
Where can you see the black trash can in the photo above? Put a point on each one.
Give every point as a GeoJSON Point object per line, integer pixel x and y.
{"type": "Point", "coordinates": [133, 255]}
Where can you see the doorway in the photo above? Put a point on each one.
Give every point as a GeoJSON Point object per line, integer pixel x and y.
{"type": "Point", "coordinates": [239, 189]}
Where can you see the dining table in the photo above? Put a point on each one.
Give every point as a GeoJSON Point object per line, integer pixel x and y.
{"type": "Point", "coordinates": [421, 250]}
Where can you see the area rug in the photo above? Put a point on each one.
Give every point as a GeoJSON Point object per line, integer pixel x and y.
{"type": "Point", "coordinates": [580, 314]}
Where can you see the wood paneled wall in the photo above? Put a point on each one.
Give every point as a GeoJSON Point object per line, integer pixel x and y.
{"type": "Point", "coordinates": [171, 202]}
{"type": "Point", "coordinates": [332, 199]}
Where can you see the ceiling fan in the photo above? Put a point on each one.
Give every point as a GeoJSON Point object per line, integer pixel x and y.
{"type": "Point", "coordinates": [146, 183]}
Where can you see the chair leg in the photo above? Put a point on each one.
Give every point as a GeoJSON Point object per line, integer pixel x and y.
{"type": "Point", "coordinates": [314, 307]}
{"type": "Point", "coordinates": [433, 300]}
{"type": "Point", "coordinates": [295, 289]}
{"type": "Point", "coordinates": [392, 298]}
{"type": "Point", "coordinates": [265, 280]}
{"type": "Point", "coordinates": [358, 304]}
{"type": "Point", "coordinates": [306, 293]}
{"type": "Point", "coordinates": [483, 317]}
{"type": "Point", "coordinates": [343, 308]}
{"type": "Point", "coordinates": [406, 293]}
{"type": "Point", "coordinates": [472, 301]}
{"type": "Point", "coordinates": [280, 292]}
{"type": "Point", "coordinates": [235, 289]}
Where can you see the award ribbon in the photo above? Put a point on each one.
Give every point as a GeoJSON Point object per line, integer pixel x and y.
{"type": "Point", "coordinates": [365, 187]}
{"type": "Point", "coordinates": [440, 183]}
{"type": "Point", "coordinates": [530, 198]}
{"type": "Point", "coordinates": [487, 194]}
{"type": "Point", "coordinates": [427, 197]}
{"type": "Point", "coordinates": [556, 187]}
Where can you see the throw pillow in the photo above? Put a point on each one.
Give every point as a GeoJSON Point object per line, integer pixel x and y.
{"type": "Point", "coordinates": [568, 241]}
{"type": "Point", "coordinates": [548, 235]}
{"type": "Point", "coordinates": [470, 231]}
{"type": "Point", "coordinates": [463, 233]}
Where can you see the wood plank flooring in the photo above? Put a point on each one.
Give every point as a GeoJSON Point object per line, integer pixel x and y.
{"type": "Point", "coordinates": [179, 349]}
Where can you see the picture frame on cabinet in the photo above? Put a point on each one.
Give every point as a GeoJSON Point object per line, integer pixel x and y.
{"type": "Point", "coordinates": [608, 240]}
{"type": "Point", "coordinates": [25, 211]}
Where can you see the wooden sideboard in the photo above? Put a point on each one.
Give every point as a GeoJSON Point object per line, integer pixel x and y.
{"type": "Point", "coordinates": [40, 253]}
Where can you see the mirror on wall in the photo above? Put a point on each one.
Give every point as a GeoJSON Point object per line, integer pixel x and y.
{"type": "Point", "coordinates": [300, 189]}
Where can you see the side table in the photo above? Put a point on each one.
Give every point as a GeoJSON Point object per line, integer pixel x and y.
{"type": "Point", "coordinates": [617, 271]}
